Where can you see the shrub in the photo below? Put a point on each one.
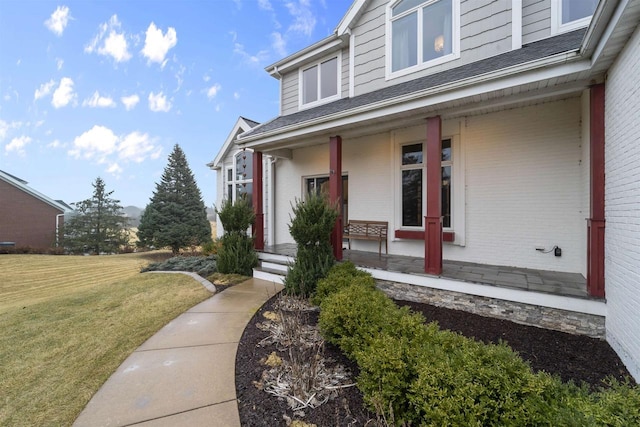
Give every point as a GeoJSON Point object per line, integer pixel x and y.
{"type": "Point", "coordinates": [339, 277]}
{"type": "Point", "coordinates": [203, 266]}
{"type": "Point", "coordinates": [416, 374]}
{"type": "Point", "coordinates": [235, 253]}
{"type": "Point", "coordinates": [311, 228]}
{"type": "Point", "coordinates": [211, 248]}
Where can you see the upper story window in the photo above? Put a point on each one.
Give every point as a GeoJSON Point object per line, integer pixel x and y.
{"type": "Point", "coordinates": [569, 15]}
{"type": "Point", "coordinates": [421, 34]}
{"type": "Point", "coordinates": [320, 82]}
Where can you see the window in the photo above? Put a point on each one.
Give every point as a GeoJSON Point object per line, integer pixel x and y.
{"type": "Point", "coordinates": [569, 15]}
{"type": "Point", "coordinates": [423, 33]}
{"type": "Point", "coordinates": [320, 185]}
{"type": "Point", "coordinates": [412, 179]}
{"type": "Point", "coordinates": [239, 178]}
{"type": "Point", "coordinates": [320, 82]}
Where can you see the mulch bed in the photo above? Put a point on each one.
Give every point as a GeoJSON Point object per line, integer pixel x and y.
{"type": "Point", "coordinates": [572, 357]}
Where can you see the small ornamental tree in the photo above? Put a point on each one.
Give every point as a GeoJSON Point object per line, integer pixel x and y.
{"type": "Point", "coordinates": [236, 254]}
{"type": "Point", "coordinates": [176, 216]}
{"type": "Point", "coordinates": [98, 225]}
{"type": "Point", "coordinates": [311, 228]}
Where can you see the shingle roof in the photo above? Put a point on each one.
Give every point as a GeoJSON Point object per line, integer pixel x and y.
{"type": "Point", "coordinates": [530, 52]}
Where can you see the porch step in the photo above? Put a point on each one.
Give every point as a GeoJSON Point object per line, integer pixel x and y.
{"type": "Point", "coordinates": [273, 267]}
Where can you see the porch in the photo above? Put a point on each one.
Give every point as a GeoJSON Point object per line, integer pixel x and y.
{"type": "Point", "coordinates": [548, 299]}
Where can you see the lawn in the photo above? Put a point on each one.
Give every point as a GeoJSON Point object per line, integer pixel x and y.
{"type": "Point", "coordinates": [66, 324]}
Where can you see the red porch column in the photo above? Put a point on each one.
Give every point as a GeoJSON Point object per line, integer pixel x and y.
{"type": "Point", "coordinates": [433, 220]}
{"type": "Point", "coordinates": [335, 191]}
{"type": "Point", "coordinates": [595, 227]}
{"type": "Point", "coordinates": [258, 226]}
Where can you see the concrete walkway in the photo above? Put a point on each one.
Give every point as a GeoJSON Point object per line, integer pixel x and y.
{"type": "Point", "coordinates": [184, 375]}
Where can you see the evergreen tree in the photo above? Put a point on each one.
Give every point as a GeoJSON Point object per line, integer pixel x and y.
{"type": "Point", "coordinates": [99, 224]}
{"type": "Point", "coordinates": [176, 216]}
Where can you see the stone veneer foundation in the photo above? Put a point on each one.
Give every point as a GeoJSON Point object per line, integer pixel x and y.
{"type": "Point", "coordinates": [526, 314]}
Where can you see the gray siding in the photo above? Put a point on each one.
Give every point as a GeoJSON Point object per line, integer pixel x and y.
{"type": "Point", "coordinates": [344, 90]}
{"type": "Point", "coordinates": [536, 20]}
{"type": "Point", "coordinates": [485, 30]}
{"type": "Point", "coordinates": [290, 92]}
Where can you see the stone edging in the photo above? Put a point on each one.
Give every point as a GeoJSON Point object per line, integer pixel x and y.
{"type": "Point", "coordinates": [526, 314]}
{"type": "Point", "coordinates": [204, 282]}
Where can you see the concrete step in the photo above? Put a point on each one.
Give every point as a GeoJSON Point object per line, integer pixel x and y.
{"type": "Point", "coordinates": [268, 274]}
{"type": "Point", "coordinates": [276, 266]}
{"type": "Point", "coordinates": [276, 258]}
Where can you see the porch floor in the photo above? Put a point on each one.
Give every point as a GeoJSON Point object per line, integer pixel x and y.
{"type": "Point", "coordinates": [550, 282]}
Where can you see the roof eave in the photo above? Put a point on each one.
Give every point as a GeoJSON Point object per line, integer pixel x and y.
{"type": "Point", "coordinates": [251, 141]}
{"type": "Point", "coordinates": [315, 50]}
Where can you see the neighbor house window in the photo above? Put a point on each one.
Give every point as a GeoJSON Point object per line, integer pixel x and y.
{"type": "Point", "coordinates": [412, 171]}
{"type": "Point", "coordinates": [239, 178]}
{"type": "Point", "coordinates": [423, 33]}
{"type": "Point", "coordinates": [320, 82]}
{"type": "Point", "coordinates": [569, 15]}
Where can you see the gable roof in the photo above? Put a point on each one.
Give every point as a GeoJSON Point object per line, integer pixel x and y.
{"type": "Point", "coordinates": [564, 43]}
{"type": "Point", "coordinates": [22, 185]}
{"type": "Point", "coordinates": [242, 125]}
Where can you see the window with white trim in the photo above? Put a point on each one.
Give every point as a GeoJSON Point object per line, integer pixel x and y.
{"type": "Point", "coordinates": [568, 15]}
{"type": "Point", "coordinates": [320, 82]}
{"type": "Point", "coordinates": [422, 34]}
{"type": "Point", "coordinates": [239, 178]}
{"type": "Point", "coordinates": [320, 185]}
{"type": "Point", "coordinates": [412, 170]}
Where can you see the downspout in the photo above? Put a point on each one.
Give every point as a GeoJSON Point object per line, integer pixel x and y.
{"type": "Point", "coordinates": [272, 197]}
{"type": "Point", "coordinates": [57, 228]}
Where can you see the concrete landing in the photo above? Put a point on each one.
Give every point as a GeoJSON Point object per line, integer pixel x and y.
{"type": "Point", "coordinates": [185, 373]}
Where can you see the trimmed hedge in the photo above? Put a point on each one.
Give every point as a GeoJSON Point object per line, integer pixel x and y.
{"type": "Point", "coordinates": [417, 374]}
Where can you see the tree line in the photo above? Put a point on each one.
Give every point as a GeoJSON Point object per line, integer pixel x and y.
{"type": "Point", "coordinates": [175, 217]}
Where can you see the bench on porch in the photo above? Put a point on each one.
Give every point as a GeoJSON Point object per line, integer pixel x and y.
{"type": "Point", "coordinates": [367, 230]}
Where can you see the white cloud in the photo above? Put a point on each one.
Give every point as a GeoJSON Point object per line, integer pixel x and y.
{"type": "Point", "coordinates": [110, 42]}
{"type": "Point", "coordinates": [156, 45]}
{"type": "Point", "coordinates": [213, 91]}
{"type": "Point", "coordinates": [59, 63]}
{"type": "Point", "coordinates": [103, 146]}
{"type": "Point", "coordinates": [44, 89]}
{"type": "Point", "coordinates": [265, 5]}
{"type": "Point", "coordinates": [130, 102]}
{"type": "Point", "coordinates": [136, 147]}
{"type": "Point", "coordinates": [114, 169]}
{"type": "Point", "coordinates": [58, 20]}
{"type": "Point", "coordinates": [258, 59]}
{"type": "Point", "coordinates": [278, 44]}
{"type": "Point", "coordinates": [206, 78]}
{"type": "Point", "coordinates": [96, 143]}
{"type": "Point", "coordinates": [158, 102]}
{"type": "Point", "coordinates": [64, 94]}
{"type": "Point", "coordinates": [4, 127]}
{"type": "Point", "coordinates": [55, 144]}
{"type": "Point", "coordinates": [304, 20]}
{"type": "Point", "coordinates": [97, 101]}
{"type": "Point", "coordinates": [17, 145]}
{"type": "Point", "coordinates": [236, 95]}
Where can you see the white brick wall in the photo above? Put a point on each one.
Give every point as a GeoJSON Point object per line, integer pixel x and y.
{"type": "Point", "coordinates": [524, 187]}
{"type": "Point", "coordinates": [622, 205]}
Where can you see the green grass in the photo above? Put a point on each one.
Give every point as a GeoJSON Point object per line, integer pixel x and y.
{"type": "Point", "coordinates": [67, 323]}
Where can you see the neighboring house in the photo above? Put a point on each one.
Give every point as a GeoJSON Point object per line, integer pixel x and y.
{"type": "Point", "coordinates": [481, 131]}
{"type": "Point", "coordinates": [28, 218]}
{"type": "Point", "coordinates": [234, 169]}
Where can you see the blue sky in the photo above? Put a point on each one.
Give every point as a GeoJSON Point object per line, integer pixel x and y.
{"type": "Point", "coordinates": [106, 88]}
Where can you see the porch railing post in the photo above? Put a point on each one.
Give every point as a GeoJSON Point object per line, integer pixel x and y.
{"type": "Point", "coordinates": [258, 226]}
{"type": "Point", "coordinates": [433, 219]}
{"type": "Point", "coordinates": [335, 191]}
{"type": "Point", "coordinates": [596, 220]}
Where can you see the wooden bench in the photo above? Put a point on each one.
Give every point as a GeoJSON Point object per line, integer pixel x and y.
{"type": "Point", "coordinates": [367, 230]}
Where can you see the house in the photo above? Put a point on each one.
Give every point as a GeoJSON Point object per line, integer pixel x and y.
{"type": "Point", "coordinates": [492, 133]}
{"type": "Point", "coordinates": [28, 218]}
{"type": "Point", "coordinates": [234, 169]}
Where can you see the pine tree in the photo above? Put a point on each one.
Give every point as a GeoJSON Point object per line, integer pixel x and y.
{"type": "Point", "coordinates": [99, 224]}
{"type": "Point", "coordinates": [176, 216]}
